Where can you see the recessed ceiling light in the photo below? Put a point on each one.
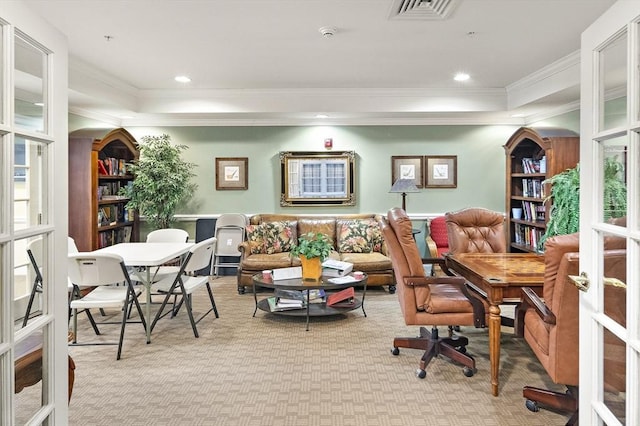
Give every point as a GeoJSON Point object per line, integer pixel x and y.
{"type": "Point", "coordinates": [182, 79]}
{"type": "Point", "coordinates": [322, 116]}
{"type": "Point", "coordinates": [38, 103]}
{"type": "Point", "coordinates": [461, 76]}
{"type": "Point", "coordinates": [518, 115]}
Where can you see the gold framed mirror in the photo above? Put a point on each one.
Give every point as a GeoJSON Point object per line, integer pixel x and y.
{"type": "Point", "coordinates": [317, 178]}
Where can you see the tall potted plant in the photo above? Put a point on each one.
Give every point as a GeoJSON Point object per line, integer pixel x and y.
{"type": "Point", "coordinates": [564, 215]}
{"type": "Point", "coordinates": [162, 180]}
{"type": "Point", "coordinates": [312, 248]}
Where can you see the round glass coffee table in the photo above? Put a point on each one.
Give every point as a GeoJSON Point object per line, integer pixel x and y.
{"type": "Point", "coordinates": [311, 309]}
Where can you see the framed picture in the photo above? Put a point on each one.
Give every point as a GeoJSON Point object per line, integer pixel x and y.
{"type": "Point", "coordinates": [407, 167]}
{"type": "Point", "coordinates": [232, 173]}
{"type": "Point", "coordinates": [441, 171]}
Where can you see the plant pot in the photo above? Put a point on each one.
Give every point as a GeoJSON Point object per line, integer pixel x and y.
{"type": "Point", "coordinates": [311, 268]}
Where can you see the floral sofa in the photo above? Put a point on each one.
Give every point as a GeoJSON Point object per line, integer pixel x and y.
{"type": "Point", "coordinates": [356, 239]}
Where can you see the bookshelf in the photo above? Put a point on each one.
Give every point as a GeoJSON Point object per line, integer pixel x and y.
{"type": "Point", "coordinates": [533, 155]}
{"type": "Point", "coordinates": [98, 216]}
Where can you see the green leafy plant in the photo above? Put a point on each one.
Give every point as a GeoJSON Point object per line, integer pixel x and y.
{"type": "Point", "coordinates": [313, 244]}
{"type": "Point", "coordinates": [162, 180]}
{"type": "Point", "coordinates": [564, 215]}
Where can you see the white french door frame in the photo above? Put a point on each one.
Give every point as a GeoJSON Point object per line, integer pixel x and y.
{"type": "Point", "coordinates": [16, 19]}
{"type": "Point", "coordinates": [621, 20]}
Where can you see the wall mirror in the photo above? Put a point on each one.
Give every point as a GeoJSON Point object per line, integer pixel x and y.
{"type": "Point", "coordinates": [317, 178]}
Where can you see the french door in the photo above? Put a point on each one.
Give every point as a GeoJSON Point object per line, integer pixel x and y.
{"type": "Point", "coordinates": [33, 208]}
{"type": "Point", "coordinates": [610, 148]}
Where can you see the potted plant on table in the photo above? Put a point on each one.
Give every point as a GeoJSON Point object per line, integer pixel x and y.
{"type": "Point", "coordinates": [312, 248]}
{"type": "Point", "coordinates": [162, 181]}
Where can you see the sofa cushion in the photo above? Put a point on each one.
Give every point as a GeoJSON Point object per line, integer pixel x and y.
{"type": "Point", "coordinates": [255, 238]}
{"type": "Point", "coordinates": [353, 236]}
{"type": "Point", "coordinates": [367, 262]}
{"type": "Point", "coordinates": [326, 226]}
{"type": "Point", "coordinates": [279, 237]}
{"type": "Point", "coordinates": [259, 262]}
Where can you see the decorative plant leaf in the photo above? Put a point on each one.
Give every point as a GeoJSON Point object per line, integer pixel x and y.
{"type": "Point", "coordinates": [313, 245]}
{"type": "Point", "coordinates": [162, 180]}
{"type": "Point", "coordinates": [564, 215]}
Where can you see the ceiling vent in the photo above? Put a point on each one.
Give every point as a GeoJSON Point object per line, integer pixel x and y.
{"type": "Point", "coordinates": [422, 9]}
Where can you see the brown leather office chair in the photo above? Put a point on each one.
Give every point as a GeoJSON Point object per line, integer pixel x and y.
{"type": "Point", "coordinates": [429, 300]}
{"type": "Point", "coordinates": [551, 326]}
{"type": "Point", "coordinates": [476, 230]}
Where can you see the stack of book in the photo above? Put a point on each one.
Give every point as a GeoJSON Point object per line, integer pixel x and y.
{"type": "Point", "coordinates": [285, 300]}
{"type": "Point", "coordinates": [336, 268]}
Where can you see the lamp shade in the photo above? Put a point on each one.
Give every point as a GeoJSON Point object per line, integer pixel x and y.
{"type": "Point", "coordinates": [404, 185]}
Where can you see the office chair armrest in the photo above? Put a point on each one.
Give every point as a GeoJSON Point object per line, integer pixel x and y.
{"type": "Point", "coordinates": [425, 281]}
{"type": "Point", "coordinates": [531, 300]}
{"type": "Point", "coordinates": [479, 316]}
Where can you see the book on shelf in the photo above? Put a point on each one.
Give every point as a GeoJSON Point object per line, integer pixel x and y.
{"type": "Point", "coordinates": [336, 268]}
{"type": "Point", "coordinates": [101, 168]}
{"type": "Point", "coordinates": [316, 295]}
{"type": "Point", "coordinates": [343, 298]}
{"type": "Point", "coordinates": [275, 306]}
{"type": "Point", "coordinates": [289, 296]}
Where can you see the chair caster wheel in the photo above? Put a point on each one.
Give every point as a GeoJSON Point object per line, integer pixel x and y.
{"type": "Point", "coordinates": [532, 405]}
{"type": "Point", "coordinates": [468, 371]}
{"type": "Point", "coordinates": [395, 351]}
{"type": "Point", "coordinates": [421, 374]}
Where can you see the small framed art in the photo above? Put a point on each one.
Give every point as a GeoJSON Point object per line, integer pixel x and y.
{"type": "Point", "coordinates": [232, 173]}
{"type": "Point", "coordinates": [441, 171]}
{"type": "Point", "coordinates": [407, 167]}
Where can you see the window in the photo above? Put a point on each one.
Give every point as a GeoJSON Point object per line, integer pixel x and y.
{"type": "Point", "coordinates": [317, 178]}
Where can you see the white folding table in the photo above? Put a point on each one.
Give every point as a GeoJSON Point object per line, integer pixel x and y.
{"type": "Point", "coordinates": [146, 256]}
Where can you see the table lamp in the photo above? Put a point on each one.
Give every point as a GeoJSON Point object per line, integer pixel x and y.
{"type": "Point", "coordinates": [403, 186]}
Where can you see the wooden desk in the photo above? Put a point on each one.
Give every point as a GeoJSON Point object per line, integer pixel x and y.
{"type": "Point", "coordinates": [499, 278]}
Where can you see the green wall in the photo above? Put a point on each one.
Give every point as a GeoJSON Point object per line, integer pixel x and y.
{"type": "Point", "coordinates": [478, 148]}
{"type": "Point", "coordinates": [479, 151]}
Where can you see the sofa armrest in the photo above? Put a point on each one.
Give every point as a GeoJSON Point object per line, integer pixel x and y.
{"type": "Point", "coordinates": [531, 300]}
{"type": "Point", "coordinates": [244, 250]}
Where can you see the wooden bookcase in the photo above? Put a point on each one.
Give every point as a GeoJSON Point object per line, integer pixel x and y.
{"type": "Point", "coordinates": [533, 155]}
{"type": "Point", "coordinates": [97, 215]}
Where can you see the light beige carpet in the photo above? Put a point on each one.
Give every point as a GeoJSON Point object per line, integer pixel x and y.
{"type": "Point", "coordinates": [268, 370]}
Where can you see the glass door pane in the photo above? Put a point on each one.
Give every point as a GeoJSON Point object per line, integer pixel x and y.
{"type": "Point", "coordinates": [30, 185]}
{"type": "Point", "coordinates": [29, 88]}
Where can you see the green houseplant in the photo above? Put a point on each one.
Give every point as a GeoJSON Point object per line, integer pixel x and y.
{"type": "Point", "coordinates": [564, 215]}
{"type": "Point", "coordinates": [312, 248]}
{"type": "Point", "coordinates": [162, 180]}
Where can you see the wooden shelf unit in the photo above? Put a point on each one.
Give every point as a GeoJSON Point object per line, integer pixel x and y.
{"type": "Point", "coordinates": [87, 191]}
{"type": "Point", "coordinates": [534, 155]}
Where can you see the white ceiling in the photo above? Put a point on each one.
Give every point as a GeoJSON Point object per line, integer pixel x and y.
{"type": "Point", "coordinates": [255, 62]}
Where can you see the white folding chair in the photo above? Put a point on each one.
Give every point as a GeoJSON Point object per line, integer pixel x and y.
{"type": "Point", "coordinates": [113, 290]}
{"type": "Point", "coordinates": [35, 252]}
{"type": "Point", "coordinates": [229, 233]}
{"type": "Point", "coordinates": [185, 282]}
{"type": "Point", "coordinates": [167, 235]}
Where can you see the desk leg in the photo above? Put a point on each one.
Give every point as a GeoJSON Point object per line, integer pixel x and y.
{"type": "Point", "coordinates": [147, 308]}
{"type": "Point", "coordinates": [494, 346]}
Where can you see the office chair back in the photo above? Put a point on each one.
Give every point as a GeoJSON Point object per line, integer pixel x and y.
{"type": "Point", "coordinates": [476, 230]}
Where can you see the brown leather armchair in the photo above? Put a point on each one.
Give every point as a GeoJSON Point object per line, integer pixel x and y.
{"type": "Point", "coordinates": [476, 230]}
{"type": "Point", "coordinates": [429, 300]}
{"type": "Point", "coordinates": [550, 327]}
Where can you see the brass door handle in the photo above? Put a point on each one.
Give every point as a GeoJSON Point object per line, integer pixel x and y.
{"type": "Point", "coordinates": [581, 281]}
